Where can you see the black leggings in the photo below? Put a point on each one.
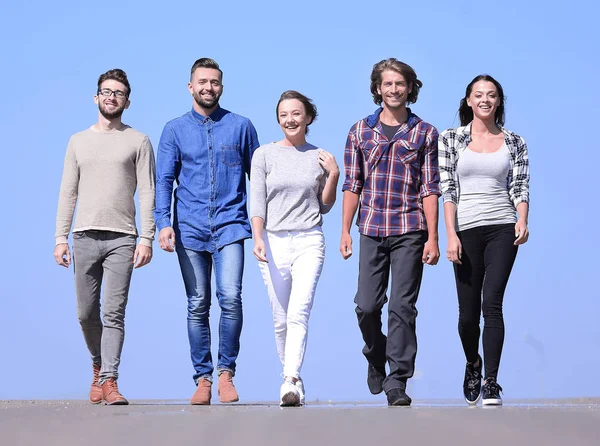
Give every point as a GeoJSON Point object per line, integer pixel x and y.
{"type": "Point", "coordinates": [488, 254]}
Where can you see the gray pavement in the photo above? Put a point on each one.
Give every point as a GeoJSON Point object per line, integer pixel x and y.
{"type": "Point", "coordinates": [74, 423]}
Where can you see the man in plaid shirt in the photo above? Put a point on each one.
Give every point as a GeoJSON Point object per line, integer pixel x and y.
{"type": "Point", "coordinates": [391, 166]}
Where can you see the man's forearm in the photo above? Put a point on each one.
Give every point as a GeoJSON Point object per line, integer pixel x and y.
{"type": "Point", "coordinates": [349, 207]}
{"type": "Point", "coordinates": [431, 211]}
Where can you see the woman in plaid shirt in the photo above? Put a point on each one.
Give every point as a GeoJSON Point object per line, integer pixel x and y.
{"type": "Point", "coordinates": [484, 175]}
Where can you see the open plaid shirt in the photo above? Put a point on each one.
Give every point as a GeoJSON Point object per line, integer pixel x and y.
{"type": "Point", "coordinates": [391, 177]}
{"type": "Point", "coordinates": [453, 142]}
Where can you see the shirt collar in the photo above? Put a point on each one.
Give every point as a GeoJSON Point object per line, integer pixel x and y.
{"type": "Point", "coordinates": [373, 120]}
{"type": "Point", "coordinates": [215, 116]}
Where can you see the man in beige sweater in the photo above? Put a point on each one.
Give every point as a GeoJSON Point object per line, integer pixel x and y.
{"type": "Point", "coordinates": [104, 166]}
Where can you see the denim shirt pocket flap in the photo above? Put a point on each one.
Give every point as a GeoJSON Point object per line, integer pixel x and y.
{"type": "Point", "coordinates": [231, 154]}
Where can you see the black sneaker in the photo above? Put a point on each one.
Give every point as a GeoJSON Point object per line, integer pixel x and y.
{"type": "Point", "coordinates": [472, 382]}
{"type": "Point", "coordinates": [375, 377]}
{"type": "Point", "coordinates": [491, 393]}
{"type": "Point", "coordinates": [398, 397]}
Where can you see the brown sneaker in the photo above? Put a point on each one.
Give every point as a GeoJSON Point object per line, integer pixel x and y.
{"type": "Point", "coordinates": [203, 393]}
{"type": "Point", "coordinates": [226, 389]}
{"type": "Point", "coordinates": [111, 394]}
{"type": "Point", "coordinates": [96, 390]}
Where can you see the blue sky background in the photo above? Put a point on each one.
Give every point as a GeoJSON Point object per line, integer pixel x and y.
{"type": "Point", "coordinates": [545, 54]}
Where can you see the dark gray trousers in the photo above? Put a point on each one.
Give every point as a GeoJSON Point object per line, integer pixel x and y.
{"type": "Point", "coordinates": [402, 256]}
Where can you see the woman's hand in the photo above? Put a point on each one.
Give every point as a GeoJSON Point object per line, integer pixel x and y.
{"type": "Point", "coordinates": [454, 249]}
{"type": "Point", "coordinates": [259, 251]}
{"type": "Point", "coordinates": [521, 232]}
{"type": "Point", "coordinates": [327, 162]}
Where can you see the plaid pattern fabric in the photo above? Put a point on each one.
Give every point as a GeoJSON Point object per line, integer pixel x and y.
{"type": "Point", "coordinates": [453, 142]}
{"type": "Point", "coordinates": [391, 177]}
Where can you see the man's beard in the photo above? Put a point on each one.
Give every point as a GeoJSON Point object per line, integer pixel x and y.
{"type": "Point", "coordinates": [206, 104]}
{"type": "Point", "coordinates": [111, 115]}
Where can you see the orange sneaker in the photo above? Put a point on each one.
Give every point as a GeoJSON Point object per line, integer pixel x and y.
{"type": "Point", "coordinates": [203, 393]}
{"type": "Point", "coordinates": [111, 394]}
{"type": "Point", "coordinates": [95, 389]}
{"type": "Point", "coordinates": [226, 389]}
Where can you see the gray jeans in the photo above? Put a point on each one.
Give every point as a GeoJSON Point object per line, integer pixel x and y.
{"type": "Point", "coordinates": [103, 258]}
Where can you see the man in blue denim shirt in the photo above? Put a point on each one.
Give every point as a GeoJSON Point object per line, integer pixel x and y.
{"type": "Point", "coordinates": [207, 151]}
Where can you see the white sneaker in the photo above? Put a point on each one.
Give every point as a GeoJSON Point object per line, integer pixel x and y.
{"type": "Point", "coordinates": [289, 395]}
{"type": "Point", "coordinates": [300, 387]}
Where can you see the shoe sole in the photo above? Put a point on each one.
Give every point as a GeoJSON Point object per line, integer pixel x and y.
{"type": "Point", "coordinates": [195, 403]}
{"type": "Point", "coordinates": [492, 402]}
{"type": "Point", "coordinates": [117, 403]}
{"type": "Point", "coordinates": [399, 404]}
{"type": "Point", "coordinates": [95, 402]}
{"type": "Point", "coordinates": [474, 403]}
{"type": "Point", "coordinates": [290, 399]}
{"type": "Point", "coordinates": [229, 401]}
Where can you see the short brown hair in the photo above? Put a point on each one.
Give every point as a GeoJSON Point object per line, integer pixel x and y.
{"type": "Point", "coordinates": [309, 107]}
{"type": "Point", "coordinates": [400, 67]}
{"type": "Point", "coordinates": [116, 74]}
{"type": "Point", "coordinates": [205, 62]}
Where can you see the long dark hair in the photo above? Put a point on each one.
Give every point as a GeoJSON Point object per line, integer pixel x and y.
{"type": "Point", "coordinates": [466, 113]}
{"type": "Point", "coordinates": [309, 106]}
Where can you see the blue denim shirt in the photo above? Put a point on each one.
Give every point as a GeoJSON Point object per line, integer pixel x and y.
{"type": "Point", "coordinates": [207, 157]}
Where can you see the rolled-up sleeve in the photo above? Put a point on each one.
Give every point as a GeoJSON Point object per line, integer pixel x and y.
{"type": "Point", "coordinates": [353, 165]}
{"type": "Point", "coordinates": [518, 188]}
{"type": "Point", "coordinates": [430, 173]}
{"type": "Point", "coordinates": [446, 163]}
{"type": "Point", "coordinates": [167, 164]}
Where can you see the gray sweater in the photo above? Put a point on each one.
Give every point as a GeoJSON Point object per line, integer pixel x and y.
{"type": "Point", "coordinates": [101, 173]}
{"type": "Point", "coordinates": [286, 186]}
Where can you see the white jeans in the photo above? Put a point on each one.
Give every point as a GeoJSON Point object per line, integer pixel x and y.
{"type": "Point", "coordinates": [291, 276]}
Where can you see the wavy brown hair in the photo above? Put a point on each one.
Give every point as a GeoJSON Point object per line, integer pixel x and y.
{"type": "Point", "coordinates": [400, 67]}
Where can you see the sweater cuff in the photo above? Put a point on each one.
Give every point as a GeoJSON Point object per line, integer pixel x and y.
{"type": "Point", "coordinates": [62, 239]}
{"type": "Point", "coordinates": [146, 242]}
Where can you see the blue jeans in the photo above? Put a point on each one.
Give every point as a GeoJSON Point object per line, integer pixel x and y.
{"type": "Point", "coordinates": [196, 268]}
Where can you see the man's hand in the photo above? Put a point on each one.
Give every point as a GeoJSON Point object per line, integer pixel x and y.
{"type": "Point", "coordinates": [166, 239]}
{"type": "Point", "coordinates": [346, 245]}
{"type": "Point", "coordinates": [454, 250]}
{"type": "Point", "coordinates": [259, 251]}
{"type": "Point", "coordinates": [62, 255]}
{"type": "Point", "coordinates": [521, 232]}
{"type": "Point", "coordinates": [431, 252]}
{"type": "Point", "coordinates": [142, 256]}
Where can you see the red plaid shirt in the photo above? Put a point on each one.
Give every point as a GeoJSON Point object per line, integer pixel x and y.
{"type": "Point", "coordinates": [391, 177]}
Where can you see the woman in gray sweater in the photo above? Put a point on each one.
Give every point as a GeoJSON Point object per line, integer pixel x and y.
{"type": "Point", "coordinates": [484, 173]}
{"type": "Point", "coordinates": [292, 184]}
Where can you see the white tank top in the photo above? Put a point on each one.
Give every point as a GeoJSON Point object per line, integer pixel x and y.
{"type": "Point", "coordinates": [483, 183]}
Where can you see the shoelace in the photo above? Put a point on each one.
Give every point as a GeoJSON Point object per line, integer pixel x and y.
{"type": "Point", "coordinates": [96, 374]}
{"type": "Point", "coordinates": [493, 387]}
{"type": "Point", "coordinates": [474, 378]}
{"type": "Point", "coordinates": [112, 386]}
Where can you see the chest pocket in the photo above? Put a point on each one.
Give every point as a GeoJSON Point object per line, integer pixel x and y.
{"type": "Point", "coordinates": [231, 155]}
{"type": "Point", "coordinates": [371, 151]}
{"type": "Point", "coordinates": [407, 152]}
